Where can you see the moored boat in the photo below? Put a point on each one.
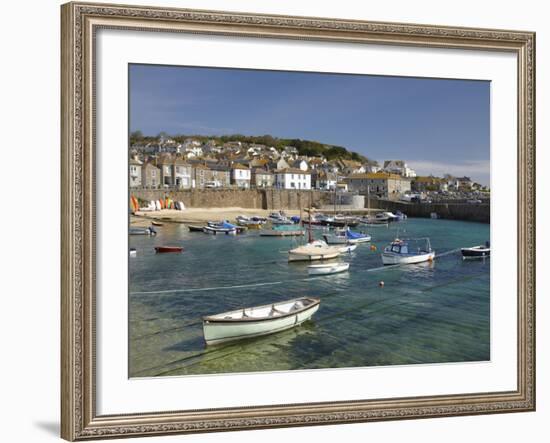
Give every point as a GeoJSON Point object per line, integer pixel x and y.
{"type": "Point", "coordinates": [259, 320]}
{"type": "Point", "coordinates": [345, 236]}
{"type": "Point", "coordinates": [160, 249]}
{"type": "Point", "coordinates": [408, 251]}
{"type": "Point", "coordinates": [141, 231]}
{"type": "Point", "coordinates": [195, 228]}
{"type": "Point", "coordinates": [282, 231]}
{"type": "Point", "coordinates": [156, 223]}
{"type": "Point", "coordinates": [133, 252]}
{"type": "Point", "coordinates": [315, 250]}
{"type": "Point", "coordinates": [348, 248]}
{"type": "Point", "coordinates": [219, 230]}
{"type": "Point", "coordinates": [481, 251]}
{"type": "Point", "coordinates": [327, 268]}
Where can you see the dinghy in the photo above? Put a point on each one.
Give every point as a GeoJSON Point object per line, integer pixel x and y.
{"type": "Point", "coordinates": [348, 248]}
{"type": "Point", "coordinates": [142, 231]}
{"type": "Point", "coordinates": [416, 250]}
{"type": "Point", "coordinates": [195, 228]}
{"type": "Point", "coordinates": [257, 321]}
{"type": "Point", "coordinates": [481, 251]}
{"type": "Point", "coordinates": [327, 268]}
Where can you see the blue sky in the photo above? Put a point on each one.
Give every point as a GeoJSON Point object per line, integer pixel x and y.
{"type": "Point", "coordinates": [435, 125]}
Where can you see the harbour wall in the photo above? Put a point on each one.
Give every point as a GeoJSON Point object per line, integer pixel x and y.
{"type": "Point", "coordinates": [480, 212]}
{"type": "Point", "coordinates": [270, 199]}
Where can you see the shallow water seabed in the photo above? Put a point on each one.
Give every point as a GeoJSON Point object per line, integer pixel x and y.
{"type": "Point", "coordinates": [428, 313]}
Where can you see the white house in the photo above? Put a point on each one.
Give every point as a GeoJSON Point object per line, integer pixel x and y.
{"type": "Point", "coordinates": [135, 172]}
{"type": "Point", "coordinates": [240, 175]}
{"type": "Point", "coordinates": [399, 167]}
{"type": "Point", "coordinates": [301, 165]}
{"type": "Point", "coordinates": [291, 178]}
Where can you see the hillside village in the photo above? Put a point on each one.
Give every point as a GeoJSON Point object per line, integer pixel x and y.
{"type": "Point", "coordinates": [212, 163]}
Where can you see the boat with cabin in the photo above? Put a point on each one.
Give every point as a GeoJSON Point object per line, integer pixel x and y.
{"type": "Point", "coordinates": [142, 231]}
{"type": "Point", "coordinates": [259, 320]}
{"type": "Point", "coordinates": [344, 236]}
{"type": "Point", "coordinates": [408, 251]}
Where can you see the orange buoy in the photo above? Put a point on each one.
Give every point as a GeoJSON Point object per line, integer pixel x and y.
{"type": "Point", "coordinates": [373, 247]}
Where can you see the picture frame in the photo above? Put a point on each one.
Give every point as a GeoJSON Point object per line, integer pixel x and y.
{"type": "Point", "coordinates": [80, 23]}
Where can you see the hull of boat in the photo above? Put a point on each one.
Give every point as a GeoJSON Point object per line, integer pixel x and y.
{"type": "Point", "coordinates": [281, 233]}
{"type": "Point", "coordinates": [216, 332]}
{"type": "Point", "coordinates": [298, 256]}
{"type": "Point", "coordinates": [161, 249]}
{"type": "Point", "coordinates": [348, 248]}
{"type": "Point", "coordinates": [211, 230]}
{"type": "Point", "coordinates": [402, 259]}
{"type": "Point", "coordinates": [335, 239]}
{"type": "Point", "coordinates": [327, 269]}
{"type": "Point", "coordinates": [475, 252]}
{"type": "Point", "coordinates": [195, 228]}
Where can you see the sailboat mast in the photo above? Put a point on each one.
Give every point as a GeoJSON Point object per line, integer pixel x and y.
{"type": "Point", "coordinates": [310, 234]}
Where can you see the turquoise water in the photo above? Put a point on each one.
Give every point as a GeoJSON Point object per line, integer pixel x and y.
{"type": "Point", "coordinates": [427, 313]}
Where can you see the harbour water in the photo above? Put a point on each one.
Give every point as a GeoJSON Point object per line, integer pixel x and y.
{"type": "Point", "coordinates": [428, 313]}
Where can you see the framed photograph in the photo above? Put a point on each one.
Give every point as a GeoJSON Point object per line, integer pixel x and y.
{"type": "Point", "coordinates": [275, 221]}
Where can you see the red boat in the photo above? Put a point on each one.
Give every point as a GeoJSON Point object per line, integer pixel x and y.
{"type": "Point", "coordinates": [168, 249]}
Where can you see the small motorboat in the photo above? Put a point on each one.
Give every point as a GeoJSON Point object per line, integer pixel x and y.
{"type": "Point", "coordinates": [160, 249]}
{"type": "Point", "coordinates": [219, 230]}
{"type": "Point", "coordinates": [344, 236]}
{"type": "Point", "coordinates": [142, 231]}
{"type": "Point", "coordinates": [133, 252]}
{"type": "Point", "coordinates": [224, 225]}
{"type": "Point", "coordinates": [259, 320]}
{"type": "Point", "coordinates": [315, 250]}
{"type": "Point", "coordinates": [195, 228]}
{"type": "Point", "coordinates": [481, 251]}
{"type": "Point", "coordinates": [327, 268]}
{"type": "Point", "coordinates": [409, 251]}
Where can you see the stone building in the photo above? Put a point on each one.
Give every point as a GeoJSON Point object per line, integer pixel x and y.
{"type": "Point", "coordinates": [381, 184]}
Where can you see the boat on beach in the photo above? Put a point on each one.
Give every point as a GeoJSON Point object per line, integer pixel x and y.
{"type": "Point", "coordinates": [195, 228]}
{"type": "Point", "coordinates": [327, 268]}
{"type": "Point", "coordinates": [481, 251]}
{"type": "Point", "coordinates": [259, 320]}
{"type": "Point", "coordinates": [408, 251]}
{"type": "Point", "coordinates": [156, 223]}
{"type": "Point", "coordinates": [161, 249]}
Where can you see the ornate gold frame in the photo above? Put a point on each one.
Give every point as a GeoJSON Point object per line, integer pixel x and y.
{"type": "Point", "coordinates": [79, 420]}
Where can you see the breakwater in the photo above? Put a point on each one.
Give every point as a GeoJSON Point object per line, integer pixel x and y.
{"type": "Point", "coordinates": [270, 199]}
{"type": "Point", "coordinates": [480, 212]}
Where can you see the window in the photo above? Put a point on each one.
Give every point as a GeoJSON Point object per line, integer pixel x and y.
{"type": "Point", "coordinates": [153, 173]}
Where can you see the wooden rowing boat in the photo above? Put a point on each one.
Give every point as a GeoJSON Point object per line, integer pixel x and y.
{"type": "Point", "coordinates": [259, 320]}
{"type": "Point", "coordinates": [160, 249]}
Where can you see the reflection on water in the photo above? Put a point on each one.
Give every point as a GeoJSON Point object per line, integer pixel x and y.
{"type": "Point", "coordinates": [426, 313]}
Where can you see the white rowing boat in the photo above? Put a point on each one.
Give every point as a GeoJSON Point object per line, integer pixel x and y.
{"type": "Point", "coordinates": [259, 320]}
{"type": "Point", "coordinates": [327, 268]}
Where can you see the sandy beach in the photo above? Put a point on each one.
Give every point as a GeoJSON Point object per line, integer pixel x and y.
{"type": "Point", "coordinates": [199, 215]}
